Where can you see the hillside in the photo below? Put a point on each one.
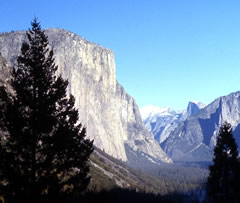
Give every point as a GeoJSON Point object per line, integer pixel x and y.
{"type": "Point", "coordinates": [109, 173]}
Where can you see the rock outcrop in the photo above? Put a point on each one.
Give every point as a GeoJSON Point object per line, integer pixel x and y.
{"type": "Point", "coordinates": [193, 108]}
{"type": "Point", "coordinates": [4, 71]}
{"type": "Point", "coordinates": [194, 139]}
{"type": "Point", "coordinates": [111, 116]}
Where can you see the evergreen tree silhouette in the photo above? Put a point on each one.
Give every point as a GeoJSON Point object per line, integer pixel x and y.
{"type": "Point", "coordinates": [223, 184]}
{"type": "Point", "coordinates": [43, 149]}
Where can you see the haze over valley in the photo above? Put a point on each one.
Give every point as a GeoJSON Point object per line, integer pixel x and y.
{"type": "Point", "coordinates": [152, 140]}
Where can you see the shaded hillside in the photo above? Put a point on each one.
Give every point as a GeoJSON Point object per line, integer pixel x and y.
{"type": "Point", "coordinates": [109, 173]}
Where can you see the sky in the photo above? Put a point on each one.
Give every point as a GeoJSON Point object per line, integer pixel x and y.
{"type": "Point", "coordinates": [167, 52]}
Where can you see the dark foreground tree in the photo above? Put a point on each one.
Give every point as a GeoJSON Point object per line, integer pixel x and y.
{"type": "Point", "coordinates": [223, 183]}
{"type": "Point", "coordinates": [43, 149]}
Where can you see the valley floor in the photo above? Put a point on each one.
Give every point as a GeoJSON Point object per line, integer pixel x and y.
{"type": "Point", "coordinates": [114, 181]}
{"type": "Point", "coordinates": [131, 196]}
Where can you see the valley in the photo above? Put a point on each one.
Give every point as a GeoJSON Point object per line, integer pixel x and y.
{"type": "Point", "coordinates": [190, 135]}
{"type": "Point", "coordinates": [167, 182]}
{"type": "Point", "coordinates": [153, 151]}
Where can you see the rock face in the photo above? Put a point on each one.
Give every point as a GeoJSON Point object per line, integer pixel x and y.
{"type": "Point", "coordinates": [4, 71]}
{"type": "Point", "coordinates": [111, 116]}
{"type": "Point", "coordinates": [193, 108]}
{"type": "Point", "coordinates": [162, 121]}
{"type": "Point", "coordinates": [194, 139]}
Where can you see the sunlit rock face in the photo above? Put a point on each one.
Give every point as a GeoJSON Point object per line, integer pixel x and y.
{"type": "Point", "coordinates": [190, 135]}
{"type": "Point", "coordinates": [195, 138]}
{"type": "Point", "coordinates": [4, 71]}
{"type": "Point", "coordinates": [111, 116]}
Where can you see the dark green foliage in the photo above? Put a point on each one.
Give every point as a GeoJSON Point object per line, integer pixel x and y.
{"type": "Point", "coordinates": [43, 149]}
{"type": "Point", "coordinates": [119, 195]}
{"type": "Point", "coordinates": [100, 181]}
{"type": "Point", "coordinates": [223, 183]}
{"type": "Point", "coordinates": [166, 180]}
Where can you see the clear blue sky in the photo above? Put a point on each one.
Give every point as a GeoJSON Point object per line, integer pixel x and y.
{"type": "Point", "coordinates": [167, 51]}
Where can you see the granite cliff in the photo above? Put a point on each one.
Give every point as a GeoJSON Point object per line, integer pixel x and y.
{"type": "Point", "coordinates": [111, 115]}
{"type": "Point", "coordinates": [195, 138]}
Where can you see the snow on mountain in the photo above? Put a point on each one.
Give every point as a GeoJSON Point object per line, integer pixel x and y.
{"type": "Point", "coordinates": [192, 108]}
{"type": "Point", "coordinates": [195, 138]}
{"type": "Point", "coordinates": [159, 121]}
{"type": "Point", "coordinates": [154, 111]}
{"type": "Point", "coordinates": [162, 121]}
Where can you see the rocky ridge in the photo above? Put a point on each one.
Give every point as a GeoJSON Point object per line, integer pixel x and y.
{"type": "Point", "coordinates": [194, 139]}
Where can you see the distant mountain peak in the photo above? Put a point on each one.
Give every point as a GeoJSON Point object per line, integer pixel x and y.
{"type": "Point", "coordinates": [194, 139]}
{"type": "Point", "coordinates": [162, 121]}
{"type": "Point", "coordinates": [193, 108]}
{"type": "Point", "coordinates": [198, 103]}
{"type": "Point", "coordinates": [154, 111]}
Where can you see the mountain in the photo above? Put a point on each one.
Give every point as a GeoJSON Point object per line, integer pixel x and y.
{"type": "Point", "coordinates": [194, 139]}
{"type": "Point", "coordinates": [111, 115]}
{"type": "Point", "coordinates": [162, 121]}
{"type": "Point", "coordinates": [193, 108]}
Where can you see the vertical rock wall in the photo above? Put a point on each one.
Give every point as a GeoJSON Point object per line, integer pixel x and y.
{"type": "Point", "coordinates": [111, 116]}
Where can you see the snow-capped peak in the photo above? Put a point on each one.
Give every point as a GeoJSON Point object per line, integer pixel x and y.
{"type": "Point", "coordinates": [155, 111]}
{"type": "Point", "coordinates": [162, 121]}
{"type": "Point", "coordinates": [198, 103]}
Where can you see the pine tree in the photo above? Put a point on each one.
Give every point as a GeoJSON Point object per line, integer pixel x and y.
{"type": "Point", "coordinates": [223, 183]}
{"type": "Point", "coordinates": [43, 148]}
